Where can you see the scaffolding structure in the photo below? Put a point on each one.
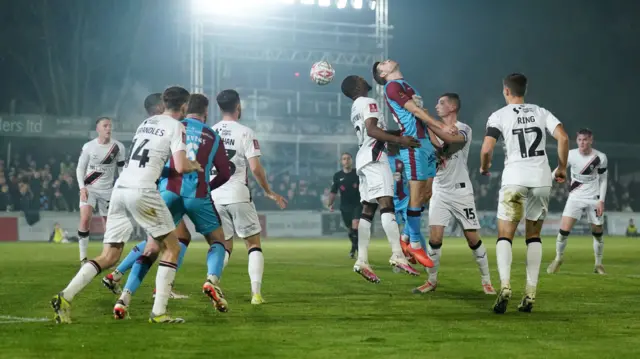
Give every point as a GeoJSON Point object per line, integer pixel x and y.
{"type": "Point", "coordinates": [299, 37]}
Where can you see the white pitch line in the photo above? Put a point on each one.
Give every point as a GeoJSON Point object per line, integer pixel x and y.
{"type": "Point", "coordinates": [8, 319]}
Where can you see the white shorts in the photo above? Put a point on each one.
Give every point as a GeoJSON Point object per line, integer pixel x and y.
{"type": "Point", "coordinates": [575, 207]}
{"type": "Point", "coordinates": [144, 206]}
{"type": "Point", "coordinates": [98, 200]}
{"type": "Point", "coordinates": [239, 218]}
{"type": "Point", "coordinates": [376, 180]}
{"type": "Point", "coordinates": [444, 206]}
{"type": "Point", "coordinates": [515, 202]}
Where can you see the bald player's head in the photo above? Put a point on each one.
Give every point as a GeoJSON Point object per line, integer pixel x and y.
{"type": "Point", "coordinates": [153, 104]}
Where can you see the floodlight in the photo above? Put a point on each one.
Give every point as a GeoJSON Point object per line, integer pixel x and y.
{"type": "Point", "coordinates": [357, 4]}
{"type": "Point", "coordinates": [324, 3]}
{"type": "Point", "coordinates": [307, 2]}
{"type": "Point", "coordinates": [372, 4]}
{"type": "Point", "coordinates": [288, 2]}
{"type": "Point", "coordinates": [341, 4]}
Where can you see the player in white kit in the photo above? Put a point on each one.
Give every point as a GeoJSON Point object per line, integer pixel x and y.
{"type": "Point", "coordinates": [233, 199]}
{"type": "Point", "coordinates": [526, 181]}
{"type": "Point", "coordinates": [586, 195]}
{"type": "Point", "coordinates": [95, 174]}
{"type": "Point", "coordinates": [453, 198]}
{"type": "Point", "coordinates": [376, 179]}
{"type": "Point", "coordinates": [136, 195]}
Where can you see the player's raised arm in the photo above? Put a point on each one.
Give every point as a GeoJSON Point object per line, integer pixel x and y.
{"type": "Point", "coordinates": [253, 153]}
{"type": "Point", "coordinates": [371, 124]}
{"type": "Point", "coordinates": [222, 166]}
{"type": "Point", "coordinates": [488, 145]}
{"type": "Point", "coordinates": [81, 172]}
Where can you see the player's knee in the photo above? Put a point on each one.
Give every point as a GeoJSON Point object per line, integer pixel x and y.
{"type": "Point", "coordinates": [504, 239]}
{"type": "Point", "coordinates": [564, 234]}
{"type": "Point", "coordinates": [369, 208]}
{"type": "Point", "coordinates": [472, 237]}
{"type": "Point", "coordinates": [368, 217]}
{"type": "Point", "coordinates": [252, 242]}
{"type": "Point", "coordinates": [147, 259]}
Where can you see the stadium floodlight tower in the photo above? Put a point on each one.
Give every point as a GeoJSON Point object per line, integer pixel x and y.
{"type": "Point", "coordinates": [260, 48]}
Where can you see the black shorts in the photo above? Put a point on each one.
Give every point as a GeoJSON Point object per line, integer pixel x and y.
{"type": "Point", "coordinates": [350, 213]}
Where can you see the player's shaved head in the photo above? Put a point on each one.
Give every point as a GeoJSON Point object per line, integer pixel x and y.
{"type": "Point", "coordinates": [153, 104]}
{"type": "Point", "coordinates": [175, 98]}
{"type": "Point", "coordinates": [198, 104]}
{"type": "Point", "coordinates": [516, 83]}
{"type": "Point", "coordinates": [355, 86]}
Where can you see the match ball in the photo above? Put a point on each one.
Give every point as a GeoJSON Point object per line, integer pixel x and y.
{"type": "Point", "coordinates": [322, 73]}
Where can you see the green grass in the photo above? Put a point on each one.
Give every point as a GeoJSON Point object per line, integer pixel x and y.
{"type": "Point", "coordinates": [318, 308]}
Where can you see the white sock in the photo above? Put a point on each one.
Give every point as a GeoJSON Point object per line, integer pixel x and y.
{"type": "Point", "coordinates": [364, 236]}
{"type": "Point", "coordinates": [482, 260]}
{"type": "Point", "coordinates": [117, 275]}
{"type": "Point", "coordinates": [561, 244]}
{"type": "Point", "coordinates": [415, 245]}
{"type": "Point", "coordinates": [84, 276]}
{"type": "Point", "coordinates": [404, 237]}
{"type": "Point", "coordinates": [226, 259]}
{"type": "Point", "coordinates": [434, 254]}
{"type": "Point", "coordinates": [598, 249]}
{"type": "Point", "coordinates": [83, 243]}
{"type": "Point", "coordinates": [213, 279]}
{"type": "Point", "coordinates": [164, 282]}
{"type": "Point", "coordinates": [392, 231]}
{"type": "Point", "coordinates": [504, 258]}
{"type": "Point", "coordinates": [126, 297]}
{"type": "Point", "coordinates": [534, 258]}
{"type": "Point", "coordinates": [256, 269]}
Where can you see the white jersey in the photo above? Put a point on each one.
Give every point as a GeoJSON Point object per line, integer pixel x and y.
{"type": "Point", "coordinates": [156, 139]}
{"type": "Point", "coordinates": [98, 163]}
{"type": "Point", "coordinates": [585, 174]}
{"type": "Point", "coordinates": [453, 175]}
{"type": "Point", "coordinates": [241, 144]}
{"type": "Point", "coordinates": [522, 128]}
{"type": "Point", "coordinates": [370, 149]}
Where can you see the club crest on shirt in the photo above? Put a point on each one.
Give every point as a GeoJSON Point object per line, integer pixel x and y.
{"type": "Point", "coordinates": [256, 145]}
{"type": "Point", "coordinates": [373, 107]}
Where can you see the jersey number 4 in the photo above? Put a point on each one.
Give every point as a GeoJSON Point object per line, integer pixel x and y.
{"type": "Point", "coordinates": [533, 150]}
{"type": "Point", "coordinates": [232, 166]}
{"type": "Point", "coordinates": [139, 153]}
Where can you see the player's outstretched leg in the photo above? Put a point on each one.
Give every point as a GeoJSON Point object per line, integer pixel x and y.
{"type": "Point", "coordinates": [164, 279]}
{"type": "Point", "coordinates": [61, 302]}
{"type": "Point", "coordinates": [215, 266]}
{"type": "Point", "coordinates": [138, 272]}
{"type": "Point", "coordinates": [362, 266]}
{"type": "Point", "coordinates": [390, 226]}
{"type": "Point", "coordinates": [598, 250]}
{"type": "Point", "coordinates": [112, 280]}
{"type": "Point", "coordinates": [481, 257]}
{"type": "Point", "coordinates": [561, 244]}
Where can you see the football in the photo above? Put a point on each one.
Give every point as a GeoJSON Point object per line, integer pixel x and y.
{"type": "Point", "coordinates": [322, 73]}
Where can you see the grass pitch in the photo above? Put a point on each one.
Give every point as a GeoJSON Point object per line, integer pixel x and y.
{"type": "Point", "coordinates": [318, 308]}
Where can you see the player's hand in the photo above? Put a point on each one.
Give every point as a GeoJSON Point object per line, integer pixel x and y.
{"type": "Point", "coordinates": [280, 201]}
{"type": "Point", "coordinates": [84, 195]}
{"type": "Point", "coordinates": [599, 208]}
{"type": "Point", "coordinates": [408, 142]}
{"type": "Point", "coordinates": [560, 175]}
{"type": "Point", "coordinates": [195, 166]}
{"type": "Point", "coordinates": [452, 130]}
{"type": "Point", "coordinates": [330, 207]}
{"type": "Point", "coordinates": [485, 171]}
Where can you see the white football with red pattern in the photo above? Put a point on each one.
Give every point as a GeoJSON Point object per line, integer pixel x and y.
{"type": "Point", "coordinates": [322, 73]}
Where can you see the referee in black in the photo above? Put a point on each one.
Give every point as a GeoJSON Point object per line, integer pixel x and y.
{"type": "Point", "coordinates": [346, 181]}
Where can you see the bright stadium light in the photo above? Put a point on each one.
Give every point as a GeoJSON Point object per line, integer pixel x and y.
{"type": "Point", "coordinates": [357, 4]}
{"type": "Point", "coordinates": [324, 3]}
{"type": "Point", "coordinates": [341, 4]}
{"type": "Point", "coordinates": [288, 2]}
{"type": "Point", "coordinates": [372, 4]}
{"type": "Point", "coordinates": [307, 2]}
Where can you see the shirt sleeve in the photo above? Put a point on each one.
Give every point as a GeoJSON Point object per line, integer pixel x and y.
{"type": "Point", "coordinates": [179, 138]}
{"type": "Point", "coordinates": [251, 146]}
{"type": "Point", "coordinates": [121, 155]}
{"type": "Point", "coordinates": [396, 92]}
{"type": "Point", "coordinates": [221, 164]}
{"type": "Point", "coordinates": [603, 164]}
{"type": "Point", "coordinates": [551, 121]}
{"type": "Point", "coordinates": [335, 184]}
{"type": "Point", "coordinates": [494, 128]}
{"type": "Point", "coordinates": [81, 169]}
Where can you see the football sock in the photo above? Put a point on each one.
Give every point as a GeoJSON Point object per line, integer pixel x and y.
{"type": "Point", "coordinates": [256, 269]}
{"type": "Point", "coordinates": [423, 242]}
{"type": "Point", "coordinates": [227, 255]}
{"type": "Point", "coordinates": [84, 276]}
{"type": "Point", "coordinates": [390, 226]}
{"type": "Point", "coordinates": [598, 247]}
{"type": "Point", "coordinates": [130, 259]}
{"type": "Point", "coordinates": [534, 258]}
{"type": "Point", "coordinates": [504, 258]}
{"type": "Point", "coordinates": [413, 222]}
{"type": "Point", "coordinates": [164, 282]}
{"type": "Point", "coordinates": [434, 251]}
{"type": "Point", "coordinates": [83, 243]}
{"type": "Point", "coordinates": [353, 236]}
{"type": "Point", "coordinates": [561, 243]}
{"type": "Point", "coordinates": [183, 251]}
{"type": "Point", "coordinates": [138, 272]}
{"type": "Point", "coordinates": [215, 262]}
{"type": "Point", "coordinates": [480, 255]}
{"type": "Point", "coordinates": [364, 236]}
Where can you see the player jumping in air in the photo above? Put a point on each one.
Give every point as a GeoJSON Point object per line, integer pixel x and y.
{"type": "Point", "coordinates": [347, 182]}
{"type": "Point", "coordinates": [526, 181]}
{"type": "Point", "coordinates": [154, 106]}
{"type": "Point", "coordinates": [586, 194]}
{"type": "Point", "coordinates": [95, 174]}
{"type": "Point", "coordinates": [135, 195]}
{"type": "Point", "coordinates": [405, 105]}
{"type": "Point", "coordinates": [189, 195]}
{"type": "Point", "coordinates": [453, 199]}
{"type": "Point", "coordinates": [233, 199]}
{"type": "Point", "coordinates": [376, 180]}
